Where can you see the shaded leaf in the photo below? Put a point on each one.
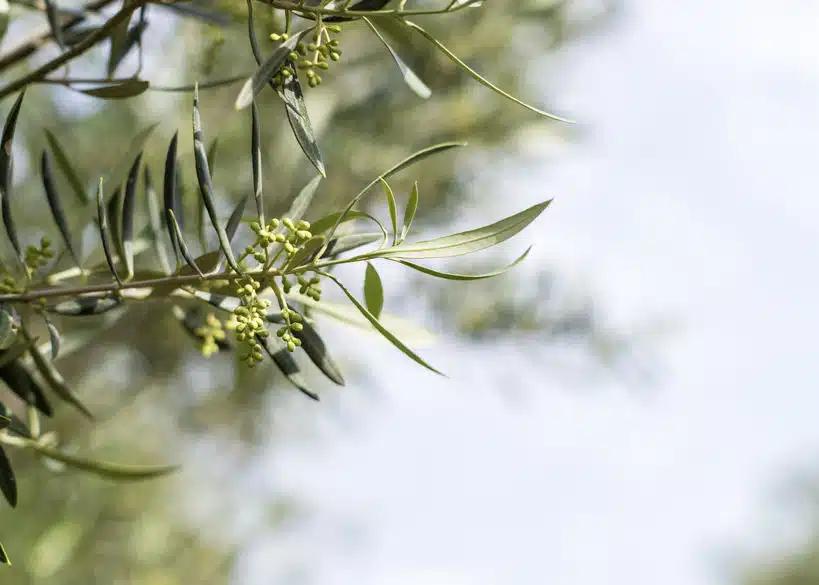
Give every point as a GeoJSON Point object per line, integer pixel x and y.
{"type": "Point", "coordinates": [379, 327]}
{"type": "Point", "coordinates": [66, 167]}
{"type": "Point", "coordinates": [363, 5]}
{"type": "Point", "coordinates": [256, 161]}
{"type": "Point", "coordinates": [14, 425]}
{"type": "Point", "coordinates": [19, 381]}
{"type": "Point", "coordinates": [316, 350]}
{"type": "Point", "coordinates": [410, 77]}
{"type": "Point", "coordinates": [180, 241]}
{"type": "Point", "coordinates": [4, 558]}
{"type": "Point", "coordinates": [105, 233]}
{"type": "Point", "coordinates": [155, 221]}
{"type": "Point", "coordinates": [128, 207]}
{"type": "Point", "coordinates": [205, 184]}
{"type": "Point", "coordinates": [17, 349]}
{"type": "Point", "coordinates": [55, 380]}
{"type": "Point", "coordinates": [55, 205]}
{"type": "Point", "coordinates": [8, 483]}
{"type": "Point", "coordinates": [373, 291]}
{"type": "Point", "coordinates": [170, 190]}
{"type": "Point", "coordinates": [233, 223]}
{"type": "Point", "coordinates": [8, 332]}
{"type": "Point", "coordinates": [54, 23]}
{"type": "Point", "coordinates": [84, 306]}
{"type": "Point", "coordinates": [6, 172]}
{"type": "Point", "coordinates": [302, 201]}
{"type": "Point", "coordinates": [295, 107]}
{"type": "Point", "coordinates": [477, 76]}
{"type": "Point", "coordinates": [104, 469]}
{"type": "Point", "coordinates": [286, 364]}
{"type": "Point", "coordinates": [4, 25]}
{"type": "Point", "coordinates": [126, 88]}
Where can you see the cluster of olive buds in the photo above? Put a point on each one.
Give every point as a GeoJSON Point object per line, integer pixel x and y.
{"type": "Point", "coordinates": [311, 57]}
{"type": "Point", "coordinates": [292, 326]}
{"type": "Point", "coordinates": [249, 319]}
{"type": "Point", "coordinates": [210, 333]}
{"type": "Point", "coordinates": [37, 257]}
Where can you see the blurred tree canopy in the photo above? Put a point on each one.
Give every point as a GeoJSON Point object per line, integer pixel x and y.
{"type": "Point", "coordinates": [156, 397]}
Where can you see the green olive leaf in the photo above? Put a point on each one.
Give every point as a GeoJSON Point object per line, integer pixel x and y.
{"type": "Point", "coordinates": [103, 469]}
{"type": "Point", "coordinates": [6, 173]}
{"type": "Point", "coordinates": [410, 77]}
{"type": "Point", "coordinates": [66, 167]}
{"type": "Point", "coordinates": [373, 291]}
{"type": "Point", "coordinates": [409, 212]}
{"type": "Point", "coordinates": [8, 483]}
{"type": "Point", "coordinates": [286, 364]}
{"type": "Point", "coordinates": [105, 232]}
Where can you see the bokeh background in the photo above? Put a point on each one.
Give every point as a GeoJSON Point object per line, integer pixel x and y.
{"type": "Point", "coordinates": [635, 404]}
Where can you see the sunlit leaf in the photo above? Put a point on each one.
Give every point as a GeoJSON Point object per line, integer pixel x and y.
{"type": "Point", "coordinates": [8, 332]}
{"type": "Point", "coordinates": [373, 291]}
{"type": "Point", "coordinates": [453, 276]}
{"type": "Point", "coordinates": [465, 242]}
{"type": "Point", "coordinates": [410, 77]}
{"type": "Point", "coordinates": [4, 558]}
{"type": "Point", "coordinates": [379, 327]}
{"type": "Point", "coordinates": [391, 207]}
{"type": "Point", "coordinates": [267, 71]}
{"type": "Point", "coordinates": [313, 345]}
{"type": "Point", "coordinates": [126, 88]}
{"type": "Point", "coordinates": [55, 339]}
{"type": "Point", "coordinates": [256, 161]}
{"type": "Point", "coordinates": [409, 212]}
{"type": "Point", "coordinates": [302, 201]}
{"type": "Point", "coordinates": [103, 469]}
{"type": "Point", "coordinates": [233, 223]}
{"type": "Point", "coordinates": [306, 252]}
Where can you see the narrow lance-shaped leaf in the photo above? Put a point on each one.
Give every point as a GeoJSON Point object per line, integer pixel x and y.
{"type": "Point", "coordinates": [468, 241]}
{"type": "Point", "coordinates": [85, 306]}
{"type": "Point", "coordinates": [6, 172]}
{"type": "Point", "coordinates": [4, 557]}
{"type": "Point", "coordinates": [379, 327]}
{"type": "Point", "coordinates": [477, 76]}
{"type": "Point", "coordinates": [170, 190]}
{"type": "Point", "coordinates": [8, 483]}
{"type": "Point", "coordinates": [302, 201]}
{"type": "Point", "coordinates": [114, 212]}
{"type": "Point", "coordinates": [54, 337]}
{"type": "Point", "coordinates": [155, 221]}
{"type": "Point", "coordinates": [137, 144]}
{"type": "Point", "coordinates": [287, 365]}
{"type": "Point", "coordinates": [115, 90]}
{"type": "Point", "coordinates": [292, 94]}
{"type": "Point", "coordinates": [105, 234]}
{"type": "Point", "coordinates": [15, 425]}
{"type": "Point", "coordinates": [256, 161]}
{"type": "Point", "coordinates": [410, 160]}
{"type": "Point", "coordinates": [19, 381]}
{"type": "Point", "coordinates": [128, 207]}
{"type": "Point", "coordinates": [54, 379]}
{"type": "Point", "coordinates": [205, 184]}
{"type": "Point", "coordinates": [267, 71]}
{"type": "Point", "coordinates": [391, 207]}
{"type": "Point", "coordinates": [180, 240]}
{"type": "Point", "coordinates": [410, 77]}
{"type": "Point", "coordinates": [455, 276]}
{"type": "Point", "coordinates": [373, 291]}
{"type": "Point", "coordinates": [54, 23]}
{"type": "Point", "coordinates": [4, 25]}
{"type": "Point", "coordinates": [313, 345]}
{"type": "Point", "coordinates": [233, 223]}
{"type": "Point", "coordinates": [365, 5]}
{"type": "Point", "coordinates": [409, 212]}
{"type": "Point", "coordinates": [66, 167]}
{"type": "Point", "coordinates": [104, 469]}
{"type": "Point", "coordinates": [55, 205]}
{"type": "Point", "coordinates": [13, 352]}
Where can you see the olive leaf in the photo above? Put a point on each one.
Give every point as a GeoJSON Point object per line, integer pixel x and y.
{"type": "Point", "coordinates": [325, 223]}
{"type": "Point", "coordinates": [256, 161]}
{"type": "Point", "coordinates": [302, 201]}
{"type": "Point", "coordinates": [295, 107]}
{"type": "Point", "coordinates": [54, 379]}
{"type": "Point", "coordinates": [232, 225]}
{"type": "Point", "coordinates": [286, 364]}
{"type": "Point", "coordinates": [137, 144]}
{"type": "Point", "coordinates": [155, 221]}
{"type": "Point", "coordinates": [4, 25]}
{"type": "Point", "coordinates": [410, 77]}
{"type": "Point", "coordinates": [205, 184]}
{"type": "Point", "coordinates": [54, 337]}
{"type": "Point", "coordinates": [6, 172]}
{"type": "Point", "coordinates": [4, 558]}
{"type": "Point", "coordinates": [66, 167]}
{"type": "Point", "coordinates": [267, 71]}
{"type": "Point", "coordinates": [180, 241]}
{"type": "Point", "coordinates": [410, 160]}
{"type": "Point", "coordinates": [114, 213]}
{"type": "Point", "coordinates": [19, 381]}
{"type": "Point", "coordinates": [453, 276]}
{"type": "Point", "coordinates": [465, 242]}
{"type": "Point", "coordinates": [349, 242]}
{"type": "Point", "coordinates": [379, 327]}
{"type": "Point", "coordinates": [316, 350]}
{"type": "Point", "coordinates": [306, 252]}
{"type": "Point", "coordinates": [54, 23]}
{"type": "Point", "coordinates": [103, 469]}
{"type": "Point", "coordinates": [171, 197]}
{"type": "Point", "coordinates": [126, 88]}
{"type": "Point", "coordinates": [128, 207]}
{"type": "Point", "coordinates": [8, 332]}
{"type": "Point", "coordinates": [373, 291]}
{"type": "Point", "coordinates": [477, 76]}
{"type": "Point", "coordinates": [55, 204]}
{"type": "Point", "coordinates": [8, 483]}
{"type": "Point", "coordinates": [105, 232]}
{"type": "Point", "coordinates": [364, 5]}
{"type": "Point", "coordinates": [84, 306]}
{"type": "Point", "coordinates": [14, 425]}
{"type": "Point", "coordinates": [409, 212]}
{"type": "Point", "coordinates": [13, 352]}
{"type": "Point", "coordinates": [391, 207]}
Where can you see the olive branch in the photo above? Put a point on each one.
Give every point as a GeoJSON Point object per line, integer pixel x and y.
{"type": "Point", "coordinates": [261, 299]}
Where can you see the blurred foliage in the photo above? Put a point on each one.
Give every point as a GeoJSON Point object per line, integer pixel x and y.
{"type": "Point", "coordinates": [70, 529]}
